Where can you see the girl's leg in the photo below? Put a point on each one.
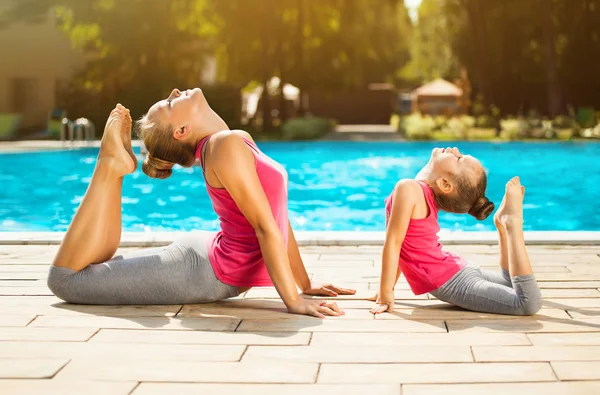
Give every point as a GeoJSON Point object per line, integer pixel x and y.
{"type": "Point", "coordinates": [510, 216]}
{"type": "Point", "coordinates": [469, 290]}
{"type": "Point", "coordinates": [473, 290]}
{"type": "Point", "coordinates": [91, 235]}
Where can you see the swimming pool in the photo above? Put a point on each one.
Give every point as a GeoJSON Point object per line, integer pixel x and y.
{"type": "Point", "coordinates": [332, 186]}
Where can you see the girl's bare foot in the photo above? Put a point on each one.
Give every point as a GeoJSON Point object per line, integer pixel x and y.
{"type": "Point", "coordinates": [497, 222]}
{"type": "Point", "coordinates": [126, 136]}
{"type": "Point", "coordinates": [510, 213]}
{"type": "Point", "coordinates": [112, 150]}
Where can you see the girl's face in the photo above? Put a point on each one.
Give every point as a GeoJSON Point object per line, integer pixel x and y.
{"type": "Point", "coordinates": [446, 162]}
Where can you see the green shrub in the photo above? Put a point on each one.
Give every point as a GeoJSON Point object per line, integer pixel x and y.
{"type": "Point", "coordinates": [307, 128]}
{"type": "Point", "coordinates": [514, 129]}
{"type": "Point", "coordinates": [418, 127]}
{"type": "Point", "coordinates": [458, 128]}
{"type": "Point", "coordinates": [441, 121]}
{"type": "Point", "coordinates": [563, 122]}
{"type": "Point", "coordinates": [485, 122]}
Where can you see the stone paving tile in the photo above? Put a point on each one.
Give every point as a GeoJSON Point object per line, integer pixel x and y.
{"type": "Point", "coordinates": [420, 339]}
{"type": "Point", "coordinates": [162, 370]}
{"type": "Point", "coordinates": [592, 312]}
{"type": "Point", "coordinates": [271, 293]}
{"type": "Point", "coordinates": [426, 313]}
{"type": "Point", "coordinates": [39, 368]}
{"type": "Point", "coordinates": [572, 304]}
{"type": "Point", "coordinates": [245, 313]}
{"type": "Point", "coordinates": [436, 373]}
{"type": "Point", "coordinates": [71, 387]}
{"type": "Point", "coordinates": [525, 325]}
{"type": "Point", "coordinates": [569, 284]}
{"type": "Point", "coordinates": [122, 345]}
{"type": "Point", "coordinates": [59, 309]}
{"type": "Point", "coordinates": [265, 389]}
{"type": "Point", "coordinates": [570, 293]}
{"type": "Point", "coordinates": [148, 323]}
{"type": "Point", "coordinates": [175, 352]}
{"type": "Point", "coordinates": [336, 325]}
{"type": "Point", "coordinates": [24, 269]}
{"type": "Point", "coordinates": [22, 283]}
{"type": "Point", "coordinates": [566, 277]}
{"type": "Point", "coordinates": [564, 339]}
{"type": "Point", "coordinates": [585, 268]}
{"type": "Point", "coordinates": [23, 276]}
{"type": "Point", "coordinates": [562, 388]}
{"type": "Point", "coordinates": [200, 337]}
{"type": "Point", "coordinates": [577, 370]}
{"type": "Point", "coordinates": [29, 300]}
{"type": "Point", "coordinates": [536, 353]}
{"type": "Point", "coordinates": [25, 291]}
{"type": "Point", "coordinates": [16, 320]}
{"type": "Point", "coordinates": [349, 354]}
{"type": "Point", "coordinates": [46, 334]}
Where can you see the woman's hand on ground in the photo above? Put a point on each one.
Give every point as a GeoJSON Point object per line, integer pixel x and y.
{"type": "Point", "coordinates": [315, 308]}
{"type": "Point", "coordinates": [385, 302]}
{"type": "Point", "coordinates": [328, 290]}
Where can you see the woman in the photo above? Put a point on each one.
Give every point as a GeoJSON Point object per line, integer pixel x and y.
{"type": "Point", "coordinates": [455, 183]}
{"type": "Point", "coordinates": [255, 246]}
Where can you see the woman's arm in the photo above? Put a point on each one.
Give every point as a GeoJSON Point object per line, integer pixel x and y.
{"type": "Point", "coordinates": [403, 202]}
{"type": "Point", "coordinates": [233, 165]}
{"type": "Point", "coordinates": [301, 277]}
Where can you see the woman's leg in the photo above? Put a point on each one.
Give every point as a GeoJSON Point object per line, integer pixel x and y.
{"type": "Point", "coordinates": [92, 235]}
{"type": "Point", "coordinates": [176, 274]}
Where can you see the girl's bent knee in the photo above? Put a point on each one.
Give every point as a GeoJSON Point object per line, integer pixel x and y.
{"type": "Point", "coordinates": [532, 306]}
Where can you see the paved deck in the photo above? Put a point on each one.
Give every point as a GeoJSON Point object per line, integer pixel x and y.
{"type": "Point", "coordinates": [250, 345]}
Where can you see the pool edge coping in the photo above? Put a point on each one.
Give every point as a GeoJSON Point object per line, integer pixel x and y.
{"type": "Point", "coordinates": [323, 238]}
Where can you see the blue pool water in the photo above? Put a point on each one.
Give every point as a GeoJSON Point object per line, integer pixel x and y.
{"type": "Point", "coordinates": [332, 186]}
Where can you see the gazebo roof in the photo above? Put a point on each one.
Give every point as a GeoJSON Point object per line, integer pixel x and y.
{"type": "Point", "coordinates": [438, 87]}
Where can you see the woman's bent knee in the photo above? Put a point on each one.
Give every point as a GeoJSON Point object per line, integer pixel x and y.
{"type": "Point", "coordinates": [58, 282]}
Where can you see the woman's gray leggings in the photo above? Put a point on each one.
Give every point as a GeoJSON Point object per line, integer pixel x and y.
{"type": "Point", "coordinates": [490, 292]}
{"type": "Point", "coordinates": [177, 274]}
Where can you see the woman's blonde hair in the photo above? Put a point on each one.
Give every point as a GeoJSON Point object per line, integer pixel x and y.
{"type": "Point", "coordinates": [164, 151]}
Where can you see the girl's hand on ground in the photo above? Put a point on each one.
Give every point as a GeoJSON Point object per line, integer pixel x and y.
{"type": "Point", "coordinates": [328, 290]}
{"type": "Point", "coordinates": [315, 308]}
{"type": "Point", "coordinates": [385, 303]}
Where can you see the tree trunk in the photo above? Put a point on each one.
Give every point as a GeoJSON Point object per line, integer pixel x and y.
{"type": "Point", "coordinates": [552, 83]}
{"type": "Point", "coordinates": [265, 101]}
{"type": "Point", "coordinates": [480, 51]}
{"type": "Point", "coordinates": [301, 66]}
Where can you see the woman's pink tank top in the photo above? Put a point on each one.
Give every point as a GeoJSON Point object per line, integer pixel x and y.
{"type": "Point", "coordinates": [234, 251]}
{"type": "Point", "coordinates": [425, 265]}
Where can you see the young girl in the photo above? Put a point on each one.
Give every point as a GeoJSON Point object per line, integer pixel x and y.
{"type": "Point", "coordinates": [455, 183]}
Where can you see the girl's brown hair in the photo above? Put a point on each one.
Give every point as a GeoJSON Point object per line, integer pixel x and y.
{"type": "Point", "coordinates": [466, 198]}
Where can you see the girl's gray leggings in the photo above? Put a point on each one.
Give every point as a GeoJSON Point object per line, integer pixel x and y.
{"type": "Point", "coordinates": [490, 292]}
{"type": "Point", "coordinates": [176, 274]}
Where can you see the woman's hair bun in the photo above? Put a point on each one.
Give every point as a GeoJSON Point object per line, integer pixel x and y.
{"type": "Point", "coordinates": [157, 168]}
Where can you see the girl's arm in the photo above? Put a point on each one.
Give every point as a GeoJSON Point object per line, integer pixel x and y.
{"type": "Point", "coordinates": [233, 165]}
{"type": "Point", "coordinates": [404, 200]}
{"type": "Point", "coordinates": [301, 277]}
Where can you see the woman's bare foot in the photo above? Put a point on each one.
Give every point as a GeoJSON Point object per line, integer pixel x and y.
{"type": "Point", "coordinates": [510, 213]}
{"type": "Point", "coordinates": [126, 136]}
{"type": "Point", "coordinates": [112, 150]}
